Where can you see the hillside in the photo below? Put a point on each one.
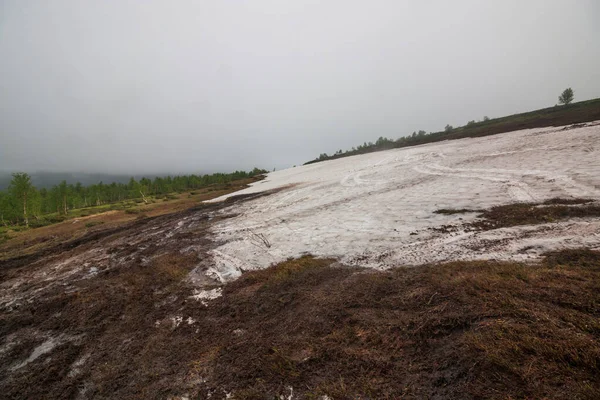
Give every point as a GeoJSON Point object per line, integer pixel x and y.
{"type": "Point", "coordinates": [583, 111]}
{"type": "Point", "coordinates": [295, 287]}
{"type": "Point", "coordinates": [379, 209]}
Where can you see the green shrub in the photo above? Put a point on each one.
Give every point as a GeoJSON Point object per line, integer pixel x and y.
{"type": "Point", "coordinates": [55, 218]}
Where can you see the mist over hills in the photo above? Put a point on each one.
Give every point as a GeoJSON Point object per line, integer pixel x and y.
{"type": "Point", "coordinates": [45, 179]}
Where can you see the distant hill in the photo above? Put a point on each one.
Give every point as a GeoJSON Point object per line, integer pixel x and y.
{"type": "Point", "coordinates": [575, 113]}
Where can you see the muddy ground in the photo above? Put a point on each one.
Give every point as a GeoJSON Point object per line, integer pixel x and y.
{"type": "Point", "coordinates": [127, 313]}
{"type": "Point", "coordinates": [95, 301]}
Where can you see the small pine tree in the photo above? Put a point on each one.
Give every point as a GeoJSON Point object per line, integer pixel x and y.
{"type": "Point", "coordinates": [566, 97]}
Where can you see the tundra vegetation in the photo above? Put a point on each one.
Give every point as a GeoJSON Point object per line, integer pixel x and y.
{"type": "Point", "coordinates": [310, 326]}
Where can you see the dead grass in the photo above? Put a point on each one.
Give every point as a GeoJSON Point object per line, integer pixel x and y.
{"type": "Point", "coordinates": [114, 316]}
{"type": "Point", "coordinates": [531, 213]}
{"type": "Point", "coordinates": [450, 211]}
{"type": "Point", "coordinates": [582, 258]}
{"type": "Point", "coordinates": [526, 213]}
{"type": "Point", "coordinates": [457, 330]}
{"type": "Point", "coordinates": [287, 271]}
{"type": "Point", "coordinates": [464, 330]}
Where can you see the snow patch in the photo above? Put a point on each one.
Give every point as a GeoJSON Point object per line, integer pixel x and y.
{"type": "Point", "coordinates": [176, 321]}
{"type": "Point", "coordinates": [205, 295]}
{"type": "Point", "coordinates": [290, 396]}
{"type": "Point", "coordinates": [377, 209]}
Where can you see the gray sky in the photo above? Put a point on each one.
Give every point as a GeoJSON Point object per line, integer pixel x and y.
{"type": "Point", "coordinates": [199, 86]}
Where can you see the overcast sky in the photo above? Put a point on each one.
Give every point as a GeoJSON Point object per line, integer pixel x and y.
{"type": "Point", "coordinates": [201, 86]}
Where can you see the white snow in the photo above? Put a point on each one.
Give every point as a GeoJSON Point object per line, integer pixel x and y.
{"type": "Point", "coordinates": [205, 295]}
{"type": "Point", "coordinates": [176, 321]}
{"type": "Point", "coordinates": [290, 396]}
{"type": "Point", "coordinates": [363, 209]}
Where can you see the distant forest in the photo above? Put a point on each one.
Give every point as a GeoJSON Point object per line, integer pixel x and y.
{"type": "Point", "coordinates": [23, 203]}
{"type": "Point", "coordinates": [584, 111]}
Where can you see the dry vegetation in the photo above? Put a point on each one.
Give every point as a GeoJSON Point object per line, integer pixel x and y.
{"type": "Point", "coordinates": [468, 330]}
{"type": "Point", "coordinates": [527, 213]}
{"type": "Point", "coordinates": [531, 213]}
{"type": "Point", "coordinates": [457, 330]}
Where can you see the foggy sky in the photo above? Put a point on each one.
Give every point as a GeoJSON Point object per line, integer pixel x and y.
{"type": "Point", "coordinates": [202, 86]}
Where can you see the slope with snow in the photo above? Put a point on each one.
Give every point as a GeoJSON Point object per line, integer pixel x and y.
{"type": "Point", "coordinates": [376, 209]}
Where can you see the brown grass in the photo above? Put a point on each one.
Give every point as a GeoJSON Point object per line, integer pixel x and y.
{"type": "Point", "coordinates": [450, 211]}
{"type": "Point", "coordinates": [464, 330]}
{"type": "Point", "coordinates": [526, 213]}
{"type": "Point", "coordinates": [458, 330]}
{"type": "Point", "coordinates": [535, 213]}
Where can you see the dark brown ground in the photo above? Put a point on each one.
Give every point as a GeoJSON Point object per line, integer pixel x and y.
{"type": "Point", "coordinates": [525, 214]}
{"type": "Point", "coordinates": [459, 330]}
{"type": "Point", "coordinates": [465, 330]}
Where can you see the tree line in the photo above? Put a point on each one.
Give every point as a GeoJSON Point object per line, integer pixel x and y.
{"type": "Point", "coordinates": [384, 143]}
{"type": "Point", "coordinates": [421, 137]}
{"type": "Point", "coordinates": [22, 201]}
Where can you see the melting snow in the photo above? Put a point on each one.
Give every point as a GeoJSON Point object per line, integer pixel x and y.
{"type": "Point", "coordinates": [377, 209]}
{"type": "Point", "coordinates": [205, 295]}
{"type": "Point", "coordinates": [176, 321]}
